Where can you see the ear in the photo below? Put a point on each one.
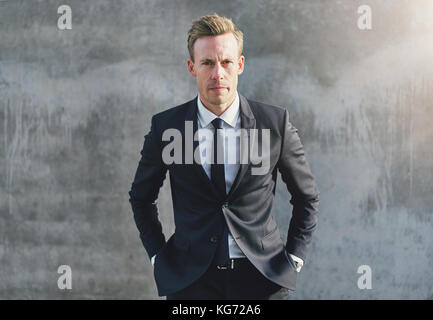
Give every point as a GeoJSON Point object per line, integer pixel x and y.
{"type": "Point", "coordinates": [241, 64]}
{"type": "Point", "coordinates": [191, 68]}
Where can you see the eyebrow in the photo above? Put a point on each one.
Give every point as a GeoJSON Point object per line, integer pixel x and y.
{"type": "Point", "coordinates": [212, 60]}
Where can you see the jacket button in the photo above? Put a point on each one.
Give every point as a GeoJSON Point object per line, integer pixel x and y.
{"type": "Point", "coordinates": [214, 239]}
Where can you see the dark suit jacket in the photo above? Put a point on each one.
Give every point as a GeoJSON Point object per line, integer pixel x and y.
{"type": "Point", "coordinates": [200, 211]}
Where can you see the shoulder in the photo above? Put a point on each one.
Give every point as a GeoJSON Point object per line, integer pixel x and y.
{"type": "Point", "coordinates": [268, 113]}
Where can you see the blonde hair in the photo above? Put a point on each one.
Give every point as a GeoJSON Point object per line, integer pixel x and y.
{"type": "Point", "coordinates": [213, 25]}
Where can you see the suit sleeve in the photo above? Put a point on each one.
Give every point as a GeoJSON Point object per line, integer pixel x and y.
{"type": "Point", "coordinates": [148, 180]}
{"type": "Point", "coordinates": [296, 174]}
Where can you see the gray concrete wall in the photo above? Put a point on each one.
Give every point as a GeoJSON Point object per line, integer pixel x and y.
{"type": "Point", "coordinates": [76, 104]}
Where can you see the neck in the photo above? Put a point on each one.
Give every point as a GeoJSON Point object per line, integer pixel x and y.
{"type": "Point", "coordinates": [218, 109]}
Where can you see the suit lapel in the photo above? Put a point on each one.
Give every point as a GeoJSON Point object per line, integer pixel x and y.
{"type": "Point", "coordinates": [247, 122]}
{"type": "Point", "coordinates": [191, 115]}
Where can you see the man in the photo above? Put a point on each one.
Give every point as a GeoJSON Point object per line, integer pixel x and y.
{"type": "Point", "coordinates": [226, 244]}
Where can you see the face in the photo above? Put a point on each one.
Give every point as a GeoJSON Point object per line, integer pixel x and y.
{"type": "Point", "coordinates": [217, 67]}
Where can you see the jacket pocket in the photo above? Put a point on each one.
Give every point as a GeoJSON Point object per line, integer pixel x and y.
{"type": "Point", "coordinates": [272, 240]}
{"type": "Point", "coordinates": [180, 242]}
{"type": "Point", "coordinates": [274, 228]}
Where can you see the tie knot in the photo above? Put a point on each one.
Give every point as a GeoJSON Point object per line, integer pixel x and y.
{"type": "Point", "coordinates": [217, 123]}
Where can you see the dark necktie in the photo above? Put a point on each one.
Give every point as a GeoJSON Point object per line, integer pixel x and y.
{"type": "Point", "coordinates": [217, 168]}
{"type": "Point", "coordinates": [219, 181]}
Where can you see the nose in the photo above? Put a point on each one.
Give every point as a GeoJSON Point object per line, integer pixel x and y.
{"type": "Point", "coordinates": [218, 71]}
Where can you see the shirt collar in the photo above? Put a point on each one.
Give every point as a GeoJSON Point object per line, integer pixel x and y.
{"type": "Point", "coordinates": [230, 116]}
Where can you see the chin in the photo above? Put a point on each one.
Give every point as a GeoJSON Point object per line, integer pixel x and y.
{"type": "Point", "coordinates": [221, 98]}
{"type": "Point", "coordinates": [220, 101]}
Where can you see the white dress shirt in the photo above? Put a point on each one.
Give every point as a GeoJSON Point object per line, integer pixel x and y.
{"type": "Point", "coordinates": [231, 120]}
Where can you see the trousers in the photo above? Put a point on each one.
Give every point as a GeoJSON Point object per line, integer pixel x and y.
{"type": "Point", "coordinates": [242, 282]}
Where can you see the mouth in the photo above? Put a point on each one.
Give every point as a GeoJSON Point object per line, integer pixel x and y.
{"type": "Point", "coordinates": [218, 89]}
